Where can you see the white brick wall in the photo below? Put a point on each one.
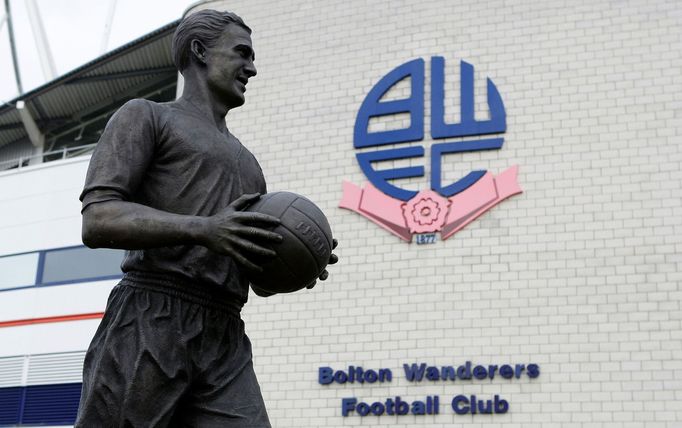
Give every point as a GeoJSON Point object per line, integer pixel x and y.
{"type": "Point", "coordinates": [579, 274]}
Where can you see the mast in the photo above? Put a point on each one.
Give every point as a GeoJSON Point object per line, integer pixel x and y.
{"type": "Point", "coordinates": [10, 29]}
{"type": "Point", "coordinates": [44, 53]}
{"type": "Point", "coordinates": [107, 27]}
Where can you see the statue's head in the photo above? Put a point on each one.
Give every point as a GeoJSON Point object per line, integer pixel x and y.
{"type": "Point", "coordinates": [214, 48]}
{"type": "Point", "coordinates": [206, 26]}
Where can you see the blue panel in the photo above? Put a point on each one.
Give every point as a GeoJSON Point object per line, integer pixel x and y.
{"type": "Point", "coordinates": [373, 107]}
{"type": "Point", "coordinates": [10, 405]}
{"type": "Point", "coordinates": [51, 404]}
{"type": "Point", "coordinates": [378, 178]}
{"type": "Point", "coordinates": [468, 124]}
{"type": "Point", "coordinates": [438, 150]}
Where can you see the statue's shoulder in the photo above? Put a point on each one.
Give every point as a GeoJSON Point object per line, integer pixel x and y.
{"type": "Point", "coordinates": [140, 109]}
{"type": "Point", "coordinates": [137, 108]}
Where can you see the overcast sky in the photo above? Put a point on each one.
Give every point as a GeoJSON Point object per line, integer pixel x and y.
{"type": "Point", "coordinates": [75, 29]}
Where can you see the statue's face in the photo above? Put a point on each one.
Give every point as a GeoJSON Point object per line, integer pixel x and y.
{"type": "Point", "coordinates": [229, 65]}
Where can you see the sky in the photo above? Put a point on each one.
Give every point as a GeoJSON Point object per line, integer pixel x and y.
{"type": "Point", "coordinates": [75, 29]}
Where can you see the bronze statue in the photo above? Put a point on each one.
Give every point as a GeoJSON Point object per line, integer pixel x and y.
{"type": "Point", "coordinates": [169, 183]}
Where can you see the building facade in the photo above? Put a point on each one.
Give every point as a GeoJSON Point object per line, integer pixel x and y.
{"type": "Point", "coordinates": [579, 274]}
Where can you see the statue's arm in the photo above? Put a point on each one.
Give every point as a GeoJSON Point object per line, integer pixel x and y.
{"type": "Point", "coordinates": [131, 226]}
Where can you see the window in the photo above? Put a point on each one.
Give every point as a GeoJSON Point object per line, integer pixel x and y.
{"type": "Point", "coordinates": [59, 266]}
{"type": "Point", "coordinates": [18, 271]}
{"type": "Point", "coordinates": [80, 263]}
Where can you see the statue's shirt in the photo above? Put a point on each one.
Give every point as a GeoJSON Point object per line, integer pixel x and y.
{"type": "Point", "coordinates": [169, 157]}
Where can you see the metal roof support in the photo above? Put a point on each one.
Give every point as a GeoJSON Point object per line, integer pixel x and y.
{"type": "Point", "coordinates": [37, 138]}
{"type": "Point", "coordinates": [13, 48]}
{"type": "Point", "coordinates": [121, 75]}
{"type": "Point", "coordinates": [131, 92]}
{"type": "Point", "coordinates": [107, 27]}
{"type": "Point", "coordinates": [44, 53]}
{"type": "Point", "coordinates": [64, 105]}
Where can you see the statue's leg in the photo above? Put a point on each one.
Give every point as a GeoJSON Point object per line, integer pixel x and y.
{"type": "Point", "coordinates": [225, 391]}
{"type": "Point", "coordinates": [135, 370]}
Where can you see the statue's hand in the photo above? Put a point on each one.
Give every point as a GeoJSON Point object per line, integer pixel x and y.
{"type": "Point", "coordinates": [332, 259]}
{"type": "Point", "coordinates": [240, 234]}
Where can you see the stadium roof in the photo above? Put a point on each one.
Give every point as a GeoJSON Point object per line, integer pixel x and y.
{"type": "Point", "coordinates": [123, 73]}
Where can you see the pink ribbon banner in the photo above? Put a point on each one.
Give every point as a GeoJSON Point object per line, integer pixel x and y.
{"type": "Point", "coordinates": [427, 211]}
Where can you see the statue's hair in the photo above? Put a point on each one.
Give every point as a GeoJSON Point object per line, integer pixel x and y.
{"type": "Point", "coordinates": [207, 26]}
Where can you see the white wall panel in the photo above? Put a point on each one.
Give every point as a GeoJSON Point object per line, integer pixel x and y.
{"type": "Point", "coordinates": [39, 208]}
{"type": "Point", "coordinates": [71, 336]}
{"type": "Point", "coordinates": [58, 300]}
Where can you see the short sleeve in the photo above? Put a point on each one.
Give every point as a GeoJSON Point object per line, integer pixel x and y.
{"type": "Point", "coordinates": [122, 155]}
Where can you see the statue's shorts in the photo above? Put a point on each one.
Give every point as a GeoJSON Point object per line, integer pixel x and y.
{"type": "Point", "coordinates": [163, 357]}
